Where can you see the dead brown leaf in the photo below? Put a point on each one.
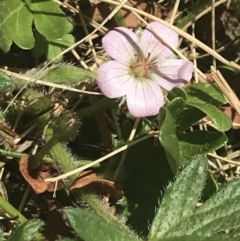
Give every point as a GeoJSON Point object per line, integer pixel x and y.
{"type": "Point", "coordinates": [84, 179]}
{"type": "Point", "coordinates": [36, 177]}
{"type": "Point", "coordinates": [102, 186]}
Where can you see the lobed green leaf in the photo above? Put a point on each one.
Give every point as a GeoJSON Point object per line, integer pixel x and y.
{"type": "Point", "coordinates": [49, 19]}
{"type": "Point", "coordinates": [56, 46]}
{"type": "Point", "coordinates": [15, 25]}
{"type": "Point", "coordinates": [16, 20]}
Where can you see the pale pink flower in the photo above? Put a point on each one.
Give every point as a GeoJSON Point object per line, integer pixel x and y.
{"type": "Point", "coordinates": [141, 67]}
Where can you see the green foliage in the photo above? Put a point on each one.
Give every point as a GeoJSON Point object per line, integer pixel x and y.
{"type": "Point", "coordinates": [16, 20]}
{"type": "Point", "coordinates": [198, 7]}
{"type": "Point", "coordinates": [64, 158]}
{"type": "Point", "coordinates": [27, 232]}
{"type": "Point", "coordinates": [1, 234]}
{"type": "Point", "coordinates": [177, 92]}
{"type": "Point", "coordinates": [220, 237]}
{"type": "Point", "coordinates": [7, 207]}
{"type": "Point", "coordinates": [66, 127]}
{"type": "Point", "coordinates": [200, 142]}
{"type": "Point", "coordinates": [6, 82]}
{"type": "Point", "coordinates": [188, 117]}
{"type": "Point", "coordinates": [180, 198]}
{"type": "Point", "coordinates": [65, 73]}
{"type": "Point", "coordinates": [91, 227]}
{"type": "Point", "coordinates": [222, 122]}
{"type": "Point", "coordinates": [56, 46]}
{"type": "Point", "coordinates": [205, 93]}
{"type": "Point", "coordinates": [185, 108]}
{"type": "Point", "coordinates": [168, 138]}
{"type": "Point", "coordinates": [179, 219]}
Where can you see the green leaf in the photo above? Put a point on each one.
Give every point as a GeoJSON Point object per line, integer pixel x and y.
{"type": "Point", "coordinates": [1, 234]}
{"type": "Point", "coordinates": [15, 25]}
{"type": "Point", "coordinates": [56, 46]}
{"type": "Point", "coordinates": [220, 237]}
{"type": "Point", "coordinates": [16, 20]}
{"type": "Point", "coordinates": [6, 82]}
{"type": "Point", "coordinates": [220, 119]}
{"type": "Point", "coordinates": [2, 119]}
{"type": "Point", "coordinates": [180, 198]}
{"type": "Point", "coordinates": [177, 92]}
{"type": "Point", "coordinates": [143, 128]}
{"type": "Point", "coordinates": [200, 142]}
{"type": "Point", "coordinates": [91, 227]}
{"type": "Point", "coordinates": [205, 93]}
{"type": "Point", "coordinates": [49, 19]}
{"type": "Point", "coordinates": [198, 7]}
{"type": "Point", "coordinates": [176, 107]}
{"type": "Point", "coordinates": [66, 73]}
{"type": "Point", "coordinates": [187, 118]}
{"type": "Point", "coordinates": [168, 138]}
{"type": "Point", "coordinates": [219, 213]}
{"type": "Point", "coordinates": [41, 45]}
{"type": "Point", "coordinates": [27, 231]}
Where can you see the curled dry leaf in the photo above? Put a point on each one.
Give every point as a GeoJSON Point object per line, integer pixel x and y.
{"type": "Point", "coordinates": [102, 186]}
{"type": "Point", "coordinates": [35, 178]}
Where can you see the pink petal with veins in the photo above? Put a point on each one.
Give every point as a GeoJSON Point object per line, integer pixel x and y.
{"type": "Point", "coordinates": [121, 44]}
{"type": "Point", "coordinates": [114, 79]}
{"type": "Point", "coordinates": [151, 43]}
{"type": "Point", "coordinates": [145, 98]}
{"type": "Point", "coordinates": [173, 72]}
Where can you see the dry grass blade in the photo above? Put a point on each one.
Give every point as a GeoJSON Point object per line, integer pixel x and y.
{"type": "Point", "coordinates": [225, 88]}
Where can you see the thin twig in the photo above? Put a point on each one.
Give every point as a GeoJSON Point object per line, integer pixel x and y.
{"type": "Point", "coordinates": [78, 170]}
{"type": "Point", "coordinates": [130, 139]}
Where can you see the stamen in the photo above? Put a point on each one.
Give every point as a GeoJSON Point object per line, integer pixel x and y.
{"type": "Point", "coordinates": [139, 57]}
{"type": "Point", "coordinates": [147, 58]}
{"type": "Point", "coordinates": [144, 64]}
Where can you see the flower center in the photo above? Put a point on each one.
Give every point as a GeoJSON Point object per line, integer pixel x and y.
{"type": "Point", "coordinates": [143, 65]}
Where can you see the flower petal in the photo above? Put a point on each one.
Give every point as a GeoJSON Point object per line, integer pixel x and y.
{"type": "Point", "coordinates": [151, 43]}
{"type": "Point", "coordinates": [121, 44]}
{"type": "Point", "coordinates": [114, 79]}
{"type": "Point", "coordinates": [173, 72]}
{"type": "Point", "coordinates": [145, 98]}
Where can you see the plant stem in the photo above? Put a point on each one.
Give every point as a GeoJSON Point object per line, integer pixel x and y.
{"type": "Point", "coordinates": [11, 211]}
